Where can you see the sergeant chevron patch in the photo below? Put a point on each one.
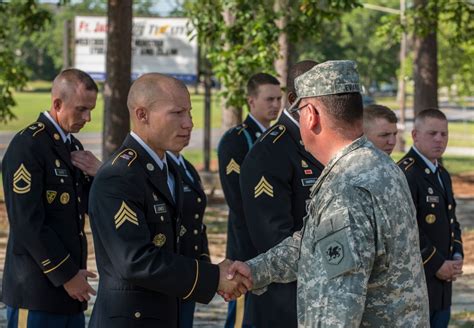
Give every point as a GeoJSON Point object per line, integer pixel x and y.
{"type": "Point", "coordinates": [232, 167]}
{"type": "Point", "coordinates": [20, 175]}
{"type": "Point", "coordinates": [263, 186]}
{"type": "Point", "coordinates": [125, 213]}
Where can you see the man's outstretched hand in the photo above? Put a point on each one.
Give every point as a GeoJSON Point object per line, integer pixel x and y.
{"type": "Point", "coordinates": [232, 283]}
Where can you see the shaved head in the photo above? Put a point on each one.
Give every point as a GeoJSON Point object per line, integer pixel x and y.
{"type": "Point", "coordinates": [152, 87]}
{"type": "Point", "coordinates": [68, 81]}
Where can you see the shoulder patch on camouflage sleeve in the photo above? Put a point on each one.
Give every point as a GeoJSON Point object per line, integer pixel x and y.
{"type": "Point", "coordinates": [275, 133]}
{"type": "Point", "coordinates": [125, 213]}
{"type": "Point", "coordinates": [33, 128]}
{"type": "Point", "coordinates": [263, 187]}
{"type": "Point", "coordinates": [21, 180]}
{"type": "Point", "coordinates": [406, 163]}
{"type": "Point", "coordinates": [232, 167]}
{"type": "Point", "coordinates": [128, 155]}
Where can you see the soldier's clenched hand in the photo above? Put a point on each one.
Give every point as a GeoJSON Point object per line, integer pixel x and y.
{"type": "Point", "coordinates": [78, 287]}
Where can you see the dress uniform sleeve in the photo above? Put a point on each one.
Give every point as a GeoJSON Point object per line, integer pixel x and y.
{"type": "Point", "coordinates": [23, 178]}
{"type": "Point", "coordinates": [266, 196]}
{"type": "Point", "coordinates": [432, 259]}
{"type": "Point", "coordinates": [458, 245]}
{"type": "Point", "coordinates": [206, 255]}
{"type": "Point", "coordinates": [117, 216]}
{"type": "Point", "coordinates": [231, 153]}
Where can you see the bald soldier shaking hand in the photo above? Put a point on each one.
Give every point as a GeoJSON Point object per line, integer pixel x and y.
{"type": "Point", "coordinates": [136, 218]}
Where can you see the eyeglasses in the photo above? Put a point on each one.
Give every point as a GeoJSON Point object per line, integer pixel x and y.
{"type": "Point", "coordinates": [297, 109]}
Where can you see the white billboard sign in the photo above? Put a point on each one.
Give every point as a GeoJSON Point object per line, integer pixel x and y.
{"type": "Point", "coordinates": [158, 45]}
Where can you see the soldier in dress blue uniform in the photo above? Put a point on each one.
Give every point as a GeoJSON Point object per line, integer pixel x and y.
{"type": "Point", "coordinates": [276, 178]}
{"type": "Point", "coordinates": [135, 209]}
{"type": "Point", "coordinates": [432, 192]}
{"type": "Point", "coordinates": [264, 101]}
{"type": "Point", "coordinates": [193, 235]}
{"type": "Point", "coordinates": [46, 192]}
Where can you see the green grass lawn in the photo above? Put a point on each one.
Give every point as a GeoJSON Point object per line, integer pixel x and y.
{"type": "Point", "coordinates": [37, 99]}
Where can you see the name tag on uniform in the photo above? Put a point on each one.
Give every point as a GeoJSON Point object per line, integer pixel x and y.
{"type": "Point", "coordinates": [308, 182]}
{"type": "Point", "coordinates": [186, 188]}
{"type": "Point", "coordinates": [159, 208]}
{"type": "Point", "coordinates": [61, 172]}
{"type": "Point", "coordinates": [432, 199]}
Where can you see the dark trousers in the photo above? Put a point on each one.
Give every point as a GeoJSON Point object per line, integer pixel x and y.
{"type": "Point", "coordinates": [186, 314]}
{"type": "Point", "coordinates": [236, 312]}
{"type": "Point", "coordinates": [440, 319]}
{"type": "Point", "coordinates": [24, 318]}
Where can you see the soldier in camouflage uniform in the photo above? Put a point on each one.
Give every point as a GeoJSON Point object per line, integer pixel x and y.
{"type": "Point", "coordinates": [353, 259]}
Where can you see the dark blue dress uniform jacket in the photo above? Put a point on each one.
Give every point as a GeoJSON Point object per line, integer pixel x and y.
{"type": "Point", "coordinates": [275, 182]}
{"type": "Point", "coordinates": [440, 233]}
{"type": "Point", "coordinates": [46, 200]}
{"type": "Point", "coordinates": [136, 224]}
{"type": "Point", "coordinates": [233, 147]}
{"type": "Point", "coordinates": [194, 242]}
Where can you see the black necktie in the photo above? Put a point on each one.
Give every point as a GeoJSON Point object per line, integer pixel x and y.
{"type": "Point", "coordinates": [438, 175]}
{"type": "Point", "coordinates": [69, 146]}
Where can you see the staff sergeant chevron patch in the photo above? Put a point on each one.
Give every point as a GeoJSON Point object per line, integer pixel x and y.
{"type": "Point", "coordinates": [125, 214]}
{"type": "Point", "coordinates": [232, 167]}
{"type": "Point", "coordinates": [21, 180]}
{"type": "Point", "coordinates": [263, 186]}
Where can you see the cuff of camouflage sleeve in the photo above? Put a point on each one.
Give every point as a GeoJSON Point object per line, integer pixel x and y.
{"type": "Point", "coordinates": [205, 283]}
{"type": "Point", "coordinates": [62, 271]}
{"type": "Point", "coordinates": [433, 262]}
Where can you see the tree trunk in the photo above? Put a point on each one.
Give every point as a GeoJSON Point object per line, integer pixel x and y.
{"type": "Point", "coordinates": [425, 68]}
{"type": "Point", "coordinates": [231, 116]}
{"type": "Point", "coordinates": [118, 70]}
{"type": "Point", "coordinates": [283, 61]}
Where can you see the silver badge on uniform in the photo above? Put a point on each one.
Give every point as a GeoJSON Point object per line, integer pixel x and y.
{"type": "Point", "coordinates": [186, 188]}
{"type": "Point", "coordinates": [61, 172]}
{"type": "Point", "coordinates": [159, 208]}
{"type": "Point", "coordinates": [430, 191]}
{"type": "Point", "coordinates": [432, 199]}
{"type": "Point", "coordinates": [308, 182]}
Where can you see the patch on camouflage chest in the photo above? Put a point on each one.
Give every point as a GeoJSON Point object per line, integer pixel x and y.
{"type": "Point", "coordinates": [334, 253]}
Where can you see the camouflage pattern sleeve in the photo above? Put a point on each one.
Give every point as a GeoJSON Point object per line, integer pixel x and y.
{"type": "Point", "coordinates": [339, 258]}
{"type": "Point", "coordinates": [279, 264]}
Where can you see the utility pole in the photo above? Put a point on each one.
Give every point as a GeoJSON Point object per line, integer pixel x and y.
{"type": "Point", "coordinates": [401, 80]}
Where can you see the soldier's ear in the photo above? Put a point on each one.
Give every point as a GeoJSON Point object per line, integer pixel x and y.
{"type": "Point", "coordinates": [142, 114]}
{"type": "Point", "coordinates": [291, 97]}
{"type": "Point", "coordinates": [57, 103]}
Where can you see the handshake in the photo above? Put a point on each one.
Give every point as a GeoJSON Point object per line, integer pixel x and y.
{"type": "Point", "coordinates": [235, 279]}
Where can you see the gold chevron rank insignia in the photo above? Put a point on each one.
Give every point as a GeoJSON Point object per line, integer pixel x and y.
{"type": "Point", "coordinates": [232, 167]}
{"type": "Point", "coordinates": [263, 186]}
{"type": "Point", "coordinates": [21, 180]}
{"type": "Point", "coordinates": [125, 213]}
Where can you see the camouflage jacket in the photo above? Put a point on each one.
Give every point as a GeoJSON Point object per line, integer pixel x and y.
{"type": "Point", "coordinates": [355, 260]}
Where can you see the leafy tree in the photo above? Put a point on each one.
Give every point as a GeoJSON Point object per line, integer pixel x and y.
{"type": "Point", "coordinates": [240, 37]}
{"type": "Point", "coordinates": [18, 17]}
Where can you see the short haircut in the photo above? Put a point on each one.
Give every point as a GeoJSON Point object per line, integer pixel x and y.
{"type": "Point", "coordinates": [74, 75]}
{"type": "Point", "coordinates": [259, 79]}
{"type": "Point", "coordinates": [345, 108]}
{"type": "Point", "coordinates": [373, 112]}
{"type": "Point", "coordinates": [430, 113]}
{"type": "Point", "coordinates": [295, 71]}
